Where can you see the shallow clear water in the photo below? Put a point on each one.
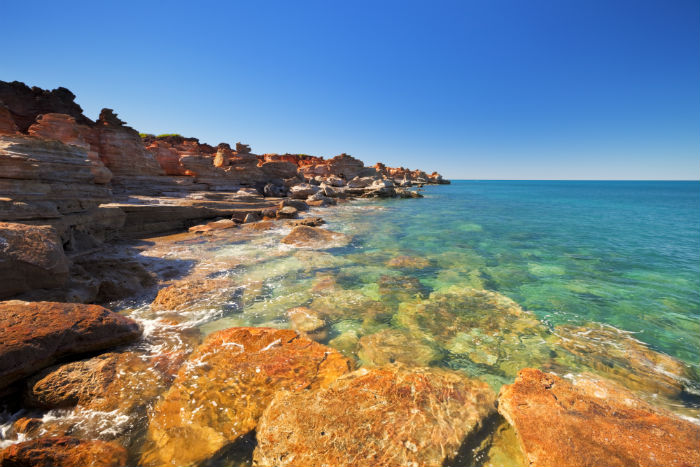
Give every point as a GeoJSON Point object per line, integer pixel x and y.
{"type": "Point", "coordinates": [483, 277]}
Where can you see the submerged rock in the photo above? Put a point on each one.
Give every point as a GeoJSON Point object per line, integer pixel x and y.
{"type": "Point", "coordinates": [617, 355]}
{"type": "Point", "coordinates": [593, 422]}
{"type": "Point", "coordinates": [315, 238]}
{"type": "Point", "coordinates": [408, 262]}
{"type": "Point", "coordinates": [221, 391]}
{"type": "Point", "coordinates": [37, 334]}
{"type": "Point", "coordinates": [187, 294]}
{"type": "Point", "coordinates": [31, 257]}
{"type": "Point", "coordinates": [65, 452]}
{"type": "Point", "coordinates": [390, 416]}
{"type": "Point", "coordinates": [306, 320]}
{"type": "Point", "coordinates": [395, 345]}
{"type": "Point", "coordinates": [483, 327]}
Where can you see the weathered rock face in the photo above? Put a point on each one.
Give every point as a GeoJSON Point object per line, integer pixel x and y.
{"type": "Point", "coordinates": [122, 150]}
{"type": "Point", "coordinates": [7, 123]}
{"type": "Point", "coordinates": [64, 128]}
{"type": "Point", "coordinates": [390, 416]}
{"type": "Point", "coordinates": [315, 238]}
{"type": "Point", "coordinates": [26, 104]}
{"type": "Point", "coordinates": [31, 257]}
{"type": "Point", "coordinates": [593, 422]}
{"type": "Point", "coordinates": [64, 451]}
{"type": "Point", "coordinates": [221, 391]}
{"type": "Point", "coordinates": [37, 334]}
{"type": "Point", "coordinates": [49, 182]}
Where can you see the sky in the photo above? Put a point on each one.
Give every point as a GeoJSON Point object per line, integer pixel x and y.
{"type": "Point", "coordinates": [475, 89]}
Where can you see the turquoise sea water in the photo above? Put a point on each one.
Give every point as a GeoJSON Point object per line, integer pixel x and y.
{"type": "Point", "coordinates": [621, 253]}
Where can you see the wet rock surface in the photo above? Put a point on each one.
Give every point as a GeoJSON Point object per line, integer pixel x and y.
{"type": "Point", "coordinates": [37, 334]}
{"type": "Point", "coordinates": [221, 391]}
{"type": "Point", "coordinates": [315, 238]}
{"type": "Point", "coordinates": [65, 452]}
{"type": "Point", "coordinates": [617, 355]}
{"type": "Point", "coordinates": [591, 422]}
{"type": "Point", "coordinates": [384, 417]}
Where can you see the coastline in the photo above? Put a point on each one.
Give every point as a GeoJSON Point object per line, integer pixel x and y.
{"type": "Point", "coordinates": [296, 378]}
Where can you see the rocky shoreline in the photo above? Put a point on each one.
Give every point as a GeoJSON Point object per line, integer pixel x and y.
{"type": "Point", "coordinates": [79, 200]}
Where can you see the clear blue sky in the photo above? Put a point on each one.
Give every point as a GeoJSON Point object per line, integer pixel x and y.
{"type": "Point", "coordinates": [505, 89]}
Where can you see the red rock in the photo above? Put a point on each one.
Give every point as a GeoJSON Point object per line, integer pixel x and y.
{"type": "Point", "coordinates": [63, 452]}
{"type": "Point", "coordinates": [391, 416]}
{"type": "Point", "coordinates": [593, 422]}
{"type": "Point", "coordinates": [7, 123]}
{"type": "Point", "coordinates": [31, 256]}
{"type": "Point", "coordinates": [315, 238]}
{"type": "Point", "coordinates": [121, 148]}
{"type": "Point", "coordinates": [64, 128]}
{"type": "Point", "coordinates": [37, 334]}
{"type": "Point", "coordinates": [221, 391]}
{"type": "Point", "coordinates": [111, 381]}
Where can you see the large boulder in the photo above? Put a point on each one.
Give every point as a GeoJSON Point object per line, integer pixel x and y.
{"type": "Point", "coordinates": [302, 191]}
{"type": "Point", "coordinates": [221, 391]}
{"type": "Point", "coordinates": [391, 416]}
{"type": "Point", "coordinates": [110, 381]}
{"type": "Point", "coordinates": [315, 238]}
{"type": "Point", "coordinates": [65, 452]}
{"type": "Point", "coordinates": [31, 257]}
{"type": "Point", "coordinates": [593, 422]}
{"type": "Point", "coordinates": [37, 334]}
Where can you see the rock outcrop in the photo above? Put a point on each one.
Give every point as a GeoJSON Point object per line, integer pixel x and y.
{"type": "Point", "coordinates": [31, 257]}
{"type": "Point", "coordinates": [391, 416]}
{"type": "Point", "coordinates": [221, 391]}
{"type": "Point", "coordinates": [37, 334]}
{"type": "Point", "coordinates": [592, 422]}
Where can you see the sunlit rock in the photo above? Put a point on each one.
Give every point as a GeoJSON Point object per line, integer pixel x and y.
{"type": "Point", "coordinates": [64, 452]}
{"type": "Point", "coordinates": [221, 391]}
{"type": "Point", "coordinates": [37, 334]}
{"type": "Point", "coordinates": [391, 416]}
{"type": "Point", "coordinates": [197, 293]}
{"type": "Point", "coordinates": [315, 238]}
{"type": "Point", "coordinates": [593, 422]}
